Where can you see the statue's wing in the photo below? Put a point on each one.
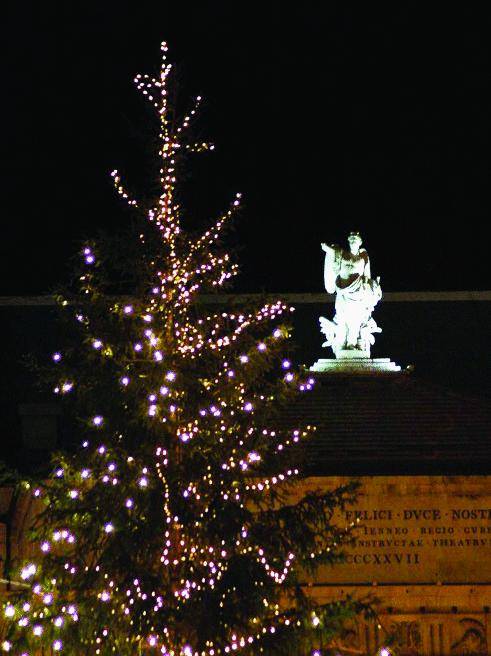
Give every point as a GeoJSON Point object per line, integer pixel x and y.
{"type": "Point", "coordinates": [331, 269]}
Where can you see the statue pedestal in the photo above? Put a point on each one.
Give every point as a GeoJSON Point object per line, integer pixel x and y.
{"type": "Point", "coordinates": [354, 364]}
{"type": "Point", "coordinates": [352, 354]}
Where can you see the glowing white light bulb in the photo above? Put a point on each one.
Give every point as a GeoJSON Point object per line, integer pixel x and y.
{"type": "Point", "coordinates": [37, 630]}
{"type": "Point", "coordinates": [9, 610]}
{"type": "Point", "coordinates": [56, 357]}
{"type": "Point", "coordinates": [97, 420]}
{"type": "Point", "coordinates": [125, 381]}
{"type": "Point", "coordinates": [28, 571]}
{"type": "Point", "coordinates": [109, 528]}
{"type": "Point", "coordinates": [57, 645]}
{"type": "Point", "coordinates": [128, 309]}
{"type": "Point", "coordinates": [97, 343]}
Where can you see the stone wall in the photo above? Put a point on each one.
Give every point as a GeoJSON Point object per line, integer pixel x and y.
{"type": "Point", "coordinates": [423, 550]}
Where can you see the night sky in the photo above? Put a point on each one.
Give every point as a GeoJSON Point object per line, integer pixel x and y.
{"type": "Point", "coordinates": [327, 118]}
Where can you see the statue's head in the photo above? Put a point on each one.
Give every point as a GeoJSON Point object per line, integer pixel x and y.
{"type": "Point", "coordinates": [354, 240]}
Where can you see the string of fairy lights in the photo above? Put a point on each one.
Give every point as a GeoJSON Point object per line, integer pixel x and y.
{"type": "Point", "coordinates": [232, 410]}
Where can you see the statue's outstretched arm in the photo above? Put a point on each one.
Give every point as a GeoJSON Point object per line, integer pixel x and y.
{"type": "Point", "coordinates": [331, 268]}
{"type": "Point", "coordinates": [328, 249]}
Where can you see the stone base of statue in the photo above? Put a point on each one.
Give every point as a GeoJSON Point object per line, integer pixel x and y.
{"type": "Point", "coordinates": [352, 354]}
{"type": "Point", "coordinates": [354, 363]}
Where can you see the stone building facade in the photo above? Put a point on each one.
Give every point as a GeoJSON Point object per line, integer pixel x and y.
{"type": "Point", "coordinates": [423, 545]}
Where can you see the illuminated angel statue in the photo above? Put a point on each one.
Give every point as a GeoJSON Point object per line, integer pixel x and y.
{"type": "Point", "coordinates": [347, 273]}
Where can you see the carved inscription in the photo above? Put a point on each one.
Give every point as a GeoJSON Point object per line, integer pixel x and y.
{"type": "Point", "coordinates": [414, 530]}
{"type": "Point", "coordinates": [440, 532]}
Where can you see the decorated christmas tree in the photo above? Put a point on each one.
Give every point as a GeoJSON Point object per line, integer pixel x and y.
{"type": "Point", "coordinates": [175, 526]}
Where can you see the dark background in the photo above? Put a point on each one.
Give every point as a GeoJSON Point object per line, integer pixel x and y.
{"type": "Point", "coordinates": [327, 118]}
